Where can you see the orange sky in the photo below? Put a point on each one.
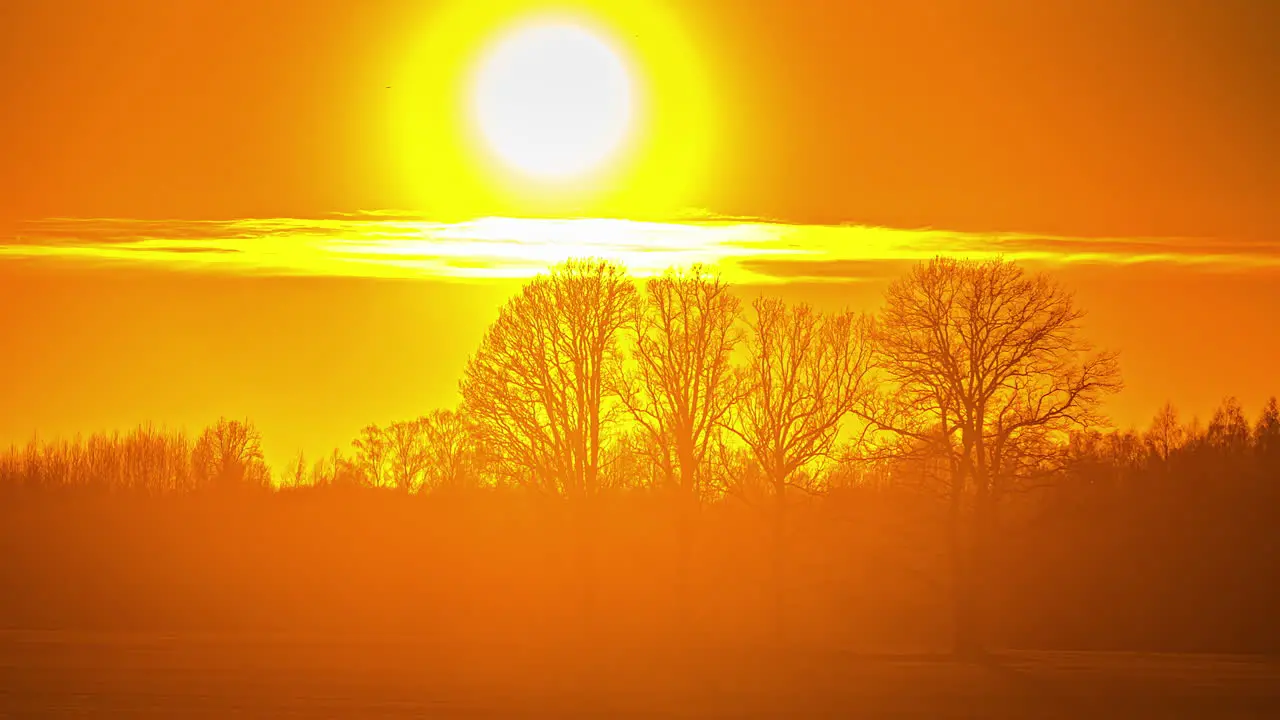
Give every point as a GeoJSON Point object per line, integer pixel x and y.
{"type": "Point", "coordinates": [1060, 121]}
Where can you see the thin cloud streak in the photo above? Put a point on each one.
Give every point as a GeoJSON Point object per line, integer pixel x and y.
{"type": "Point", "coordinates": [395, 244]}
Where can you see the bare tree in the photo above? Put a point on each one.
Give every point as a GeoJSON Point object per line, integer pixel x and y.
{"type": "Point", "coordinates": [537, 389]}
{"type": "Point", "coordinates": [372, 451]}
{"type": "Point", "coordinates": [986, 363]}
{"type": "Point", "coordinates": [297, 474]}
{"type": "Point", "coordinates": [1266, 432]}
{"type": "Point", "coordinates": [1166, 434]}
{"type": "Point", "coordinates": [450, 458]}
{"type": "Point", "coordinates": [406, 452]}
{"type": "Point", "coordinates": [228, 455]}
{"type": "Point", "coordinates": [734, 474]}
{"type": "Point", "coordinates": [322, 473]}
{"type": "Point", "coordinates": [806, 372]}
{"type": "Point", "coordinates": [336, 471]}
{"type": "Point", "coordinates": [630, 463]}
{"type": "Point", "coordinates": [1229, 429]}
{"type": "Point", "coordinates": [539, 395]}
{"type": "Point", "coordinates": [145, 460]}
{"type": "Point", "coordinates": [681, 384]}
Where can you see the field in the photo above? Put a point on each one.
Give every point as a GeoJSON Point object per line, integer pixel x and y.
{"type": "Point", "coordinates": [302, 606]}
{"type": "Point", "coordinates": [51, 674]}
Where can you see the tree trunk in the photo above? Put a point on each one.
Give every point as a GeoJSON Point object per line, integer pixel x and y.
{"type": "Point", "coordinates": [971, 610]}
{"type": "Point", "coordinates": [686, 503]}
{"type": "Point", "coordinates": [963, 637]}
{"type": "Point", "coordinates": [684, 522]}
{"type": "Point", "coordinates": [779, 562]}
{"type": "Point", "coordinates": [583, 527]}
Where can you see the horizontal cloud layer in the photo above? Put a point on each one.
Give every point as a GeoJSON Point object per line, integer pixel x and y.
{"type": "Point", "coordinates": [400, 245]}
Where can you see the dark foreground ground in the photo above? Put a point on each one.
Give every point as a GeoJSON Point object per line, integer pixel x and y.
{"type": "Point", "coordinates": [50, 674]}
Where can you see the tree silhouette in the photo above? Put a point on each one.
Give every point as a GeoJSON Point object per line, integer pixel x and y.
{"type": "Point", "coordinates": [228, 455]}
{"type": "Point", "coordinates": [406, 453]}
{"type": "Point", "coordinates": [537, 390]}
{"type": "Point", "coordinates": [680, 387]}
{"type": "Point", "coordinates": [338, 472]}
{"type": "Point", "coordinates": [373, 449]}
{"type": "Point", "coordinates": [806, 372]}
{"type": "Point", "coordinates": [1166, 435]}
{"type": "Point", "coordinates": [144, 461]}
{"type": "Point", "coordinates": [1267, 432]}
{"type": "Point", "coordinates": [321, 476]}
{"type": "Point", "coordinates": [296, 477]}
{"type": "Point", "coordinates": [1228, 430]}
{"type": "Point", "coordinates": [991, 359]}
{"type": "Point", "coordinates": [155, 462]}
{"type": "Point", "coordinates": [630, 463]}
{"type": "Point", "coordinates": [450, 457]}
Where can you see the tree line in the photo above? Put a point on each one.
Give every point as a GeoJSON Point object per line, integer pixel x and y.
{"type": "Point", "coordinates": [972, 385]}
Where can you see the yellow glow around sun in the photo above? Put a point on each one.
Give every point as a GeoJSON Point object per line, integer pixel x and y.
{"type": "Point", "coordinates": [521, 107]}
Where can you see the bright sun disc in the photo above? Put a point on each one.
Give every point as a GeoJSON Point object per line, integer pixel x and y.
{"type": "Point", "coordinates": [529, 108]}
{"type": "Point", "coordinates": [553, 101]}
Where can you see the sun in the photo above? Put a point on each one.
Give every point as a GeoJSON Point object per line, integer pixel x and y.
{"type": "Point", "coordinates": [553, 100]}
{"type": "Point", "coordinates": [549, 108]}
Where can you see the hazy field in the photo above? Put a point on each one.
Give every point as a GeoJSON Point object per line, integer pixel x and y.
{"type": "Point", "coordinates": [78, 675]}
{"type": "Point", "coordinates": [372, 606]}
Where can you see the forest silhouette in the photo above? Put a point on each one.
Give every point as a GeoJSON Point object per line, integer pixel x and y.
{"type": "Point", "coordinates": [662, 463]}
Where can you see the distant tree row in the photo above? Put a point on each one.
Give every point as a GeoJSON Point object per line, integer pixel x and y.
{"type": "Point", "coordinates": [1228, 450]}
{"type": "Point", "coordinates": [436, 452]}
{"type": "Point", "coordinates": [225, 456]}
{"type": "Point", "coordinates": [439, 452]}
